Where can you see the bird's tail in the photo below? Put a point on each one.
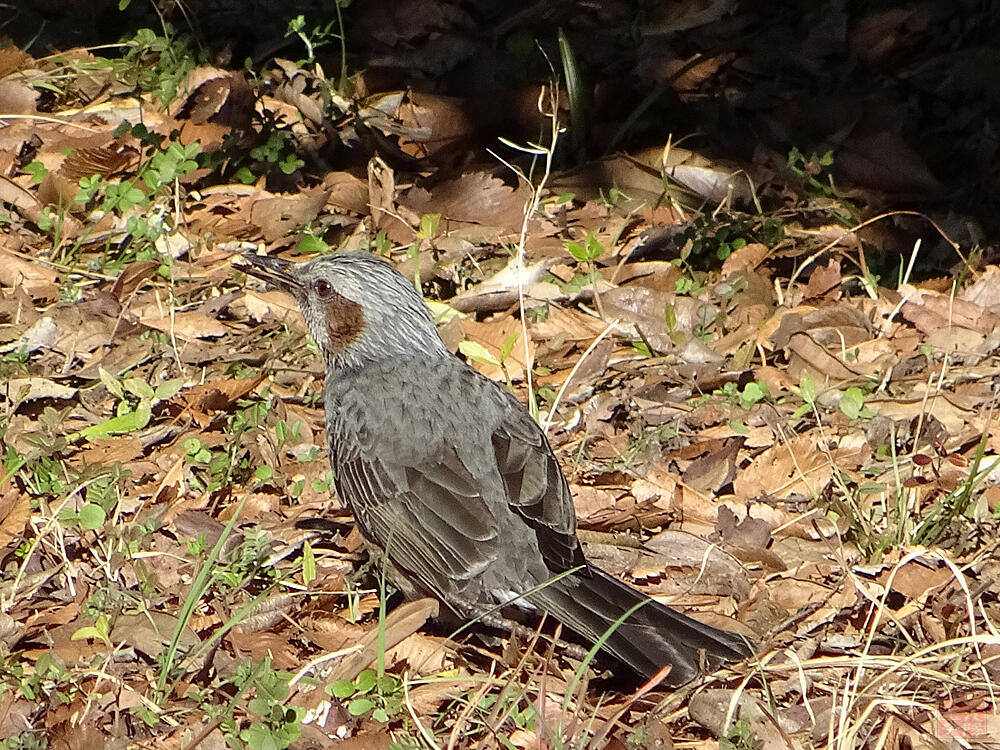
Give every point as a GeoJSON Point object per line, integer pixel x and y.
{"type": "Point", "coordinates": [590, 601]}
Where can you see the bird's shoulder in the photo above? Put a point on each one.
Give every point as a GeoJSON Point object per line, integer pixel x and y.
{"type": "Point", "coordinates": [419, 402]}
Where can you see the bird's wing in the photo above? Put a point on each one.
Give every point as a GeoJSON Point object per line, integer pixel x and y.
{"type": "Point", "coordinates": [445, 522]}
{"type": "Point", "coordinates": [431, 519]}
{"type": "Point", "coordinates": [536, 488]}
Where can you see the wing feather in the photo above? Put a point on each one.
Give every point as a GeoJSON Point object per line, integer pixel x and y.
{"type": "Point", "coordinates": [537, 490]}
{"type": "Point", "coordinates": [430, 520]}
{"type": "Point", "coordinates": [455, 511]}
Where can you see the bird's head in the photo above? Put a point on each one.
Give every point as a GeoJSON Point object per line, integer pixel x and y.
{"type": "Point", "coordinates": [358, 307]}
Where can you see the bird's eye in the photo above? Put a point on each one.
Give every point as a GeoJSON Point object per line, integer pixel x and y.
{"type": "Point", "coordinates": [323, 287]}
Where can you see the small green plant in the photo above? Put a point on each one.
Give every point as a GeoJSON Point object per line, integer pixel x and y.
{"type": "Point", "coordinates": [50, 680]}
{"type": "Point", "coordinates": [613, 198]}
{"type": "Point", "coordinates": [311, 241]}
{"type": "Point", "coordinates": [852, 404]}
{"type": "Point", "coordinates": [428, 226]}
{"type": "Point", "coordinates": [710, 238]}
{"type": "Point", "coordinates": [381, 697]}
{"type": "Point", "coordinates": [278, 725]}
{"type": "Point", "coordinates": [25, 741]}
{"type": "Point", "coordinates": [213, 469]}
{"type": "Point", "coordinates": [752, 393]}
{"type": "Point", "coordinates": [475, 351]}
{"type": "Point", "coordinates": [136, 401]}
{"type": "Point", "coordinates": [586, 253]}
{"type": "Point", "coordinates": [955, 505]}
{"type": "Point", "coordinates": [246, 563]}
{"type": "Point", "coordinates": [381, 245]}
{"type": "Point", "coordinates": [312, 39]}
{"type": "Point", "coordinates": [277, 151]}
{"type": "Point", "coordinates": [100, 499]}
{"type": "Point", "coordinates": [156, 64]}
{"type": "Point", "coordinates": [740, 737]}
{"type": "Point", "coordinates": [274, 153]}
{"type": "Point", "coordinates": [811, 169]}
{"type": "Point", "coordinates": [806, 390]}
{"type": "Point", "coordinates": [51, 220]}
{"type": "Point", "coordinates": [37, 171]}
{"type": "Point", "coordinates": [319, 36]}
{"type": "Point", "coordinates": [100, 630]}
{"type": "Point", "coordinates": [169, 164]}
{"type": "Point", "coordinates": [13, 363]}
{"type": "Point", "coordinates": [41, 470]}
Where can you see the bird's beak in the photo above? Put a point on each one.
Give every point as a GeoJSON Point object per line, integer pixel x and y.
{"type": "Point", "coordinates": [274, 271]}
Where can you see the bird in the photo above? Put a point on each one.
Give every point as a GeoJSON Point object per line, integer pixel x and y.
{"type": "Point", "coordinates": [451, 479]}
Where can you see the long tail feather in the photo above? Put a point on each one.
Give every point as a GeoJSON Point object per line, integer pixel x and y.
{"type": "Point", "coordinates": [591, 601]}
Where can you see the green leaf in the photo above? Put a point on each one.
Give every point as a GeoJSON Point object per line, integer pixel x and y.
{"type": "Point", "coordinates": [387, 684]}
{"type": "Point", "coordinates": [852, 402]}
{"type": "Point", "coordinates": [442, 311]}
{"type": "Point", "coordinates": [290, 163]}
{"type": "Point", "coordinates": [37, 171]}
{"type": "Point", "coordinates": [311, 244]}
{"type": "Point", "coordinates": [670, 313]}
{"type": "Point", "coordinates": [365, 681]}
{"type": "Point", "coordinates": [684, 285]}
{"type": "Point", "coordinates": [360, 706]}
{"type": "Point", "coordinates": [168, 388]}
{"type": "Point", "coordinates": [641, 347]}
{"type": "Point", "coordinates": [753, 393]}
{"type": "Point", "coordinates": [872, 488]}
{"type": "Point", "coordinates": [428, 226]}
{"type": "Point", "coordinates": [263, 473]}
{"type": "Point", "coordinates": [807, 388]}
{"type": "Point", "coordinates": [123, 423]}
{"type": "Point", "coordinates": [143, 413]}
{"type": "Point", "coordinates": [258, 737]}
{"type": "Point", "coordinates": [594, 248]}
{"type": "Point", "coordinates": [98, 630]}
{"type": "Point", "coordinates": [308, 563]}
{"type": "Point", "coordinates": [738, 427]}
{"type": "Point", "coordinates": [86, 632]}
{"type": "Point", "coordinates": [342, 688]}
{"type": "Point", "coordinates": [139, 387]}
{"type": "Point", "coordinates": [111, 383]}
{"type": "Point", "coordinates": [577, 251]}
{"type": "Point", "coordinates": [92, 516]}
{"type": "Point", "coordinates": [508, 346]}
{"type": "Point", "coordinates": [476, 351]}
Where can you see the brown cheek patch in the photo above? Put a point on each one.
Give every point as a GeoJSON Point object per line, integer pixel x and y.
{"type": "Point", "coordinates": [344, 321]}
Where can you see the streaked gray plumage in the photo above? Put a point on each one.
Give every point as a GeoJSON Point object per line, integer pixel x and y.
{"type": "Point", "coordinates": [446, 471]}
